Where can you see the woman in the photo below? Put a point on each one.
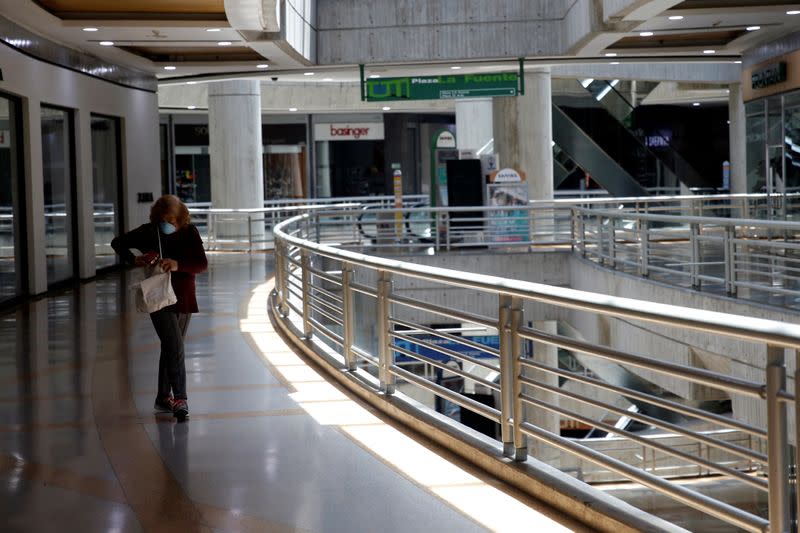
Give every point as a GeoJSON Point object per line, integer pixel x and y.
{"type": "Point", "coordinates": [184, 256]}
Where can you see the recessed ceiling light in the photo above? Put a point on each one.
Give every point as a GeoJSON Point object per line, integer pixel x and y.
{"type": "Point", "coordinates": [676, 17]}
{"type": "Point", "coordinates": [455, 67]}
{"type": "Point", "coordinates": [327, 79]}
{"type": "Point", "coordinates": [753, 28]}
{"type": "Point", "coordinates": [738, 61]}
{"type": "Point", "coordinates": [709, 51]}
{"type": "Point", "coordinates": [374, 76]}
{"type": "Point", "coordinates": [90, 29]}
{"type": "Point", "coordinates": [614, 63]}
{"type": "Point", "coordinates": [170, 67]}
{"type": "Point", "coordinates": [646, 34]}
{"type": "Point", "coordinates": [213, 29]}
{"type": "Point", "coordinates": [224, 43]}
{"type": "Point", "coordinates": [191, 82]}
{"type": "Point", "coordinates": [793, 12]}
{"type": "Point", "coordinates": [386, 108]}
{"type": "Point", "coordinates": [106, 43]}
{"type": "Point", "coordinates": [611, 54]}
{"type": "Point", "coordinates": [308, 73]}
{"type": "Point", "coordinates": [696, 104]}
{"type": "Point", "coordinates": [292, 109]}
{"type": "Point", "coordinates": [191, 107]}
{"type": "Point", "coordinates": [263, 65]}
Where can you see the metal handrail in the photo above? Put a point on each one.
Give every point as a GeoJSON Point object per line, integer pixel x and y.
{"type": "Point", "coordinates": [298, 236]}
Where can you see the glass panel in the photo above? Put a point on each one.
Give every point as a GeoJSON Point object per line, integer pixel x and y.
{"type": "Point", "coordinates": [105, 174]}
{"type": "Point", "coordinates": [11, 262]}
{"type": "Point", "coordinates": [57, 166]}
{"type": "Point", "coordinates": [791, 105]}
{"type": "Point", "coordinates": [756, 151]}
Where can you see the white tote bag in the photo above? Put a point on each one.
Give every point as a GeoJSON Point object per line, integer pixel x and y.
{"type": "Point", "coordinates": [155, 292]}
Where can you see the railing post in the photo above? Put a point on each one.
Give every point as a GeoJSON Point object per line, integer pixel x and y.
{"type": "Point", "coordinates": [305, 265]}
{"type": "Point", "coordinates": [644, 248]}
{"type": "Point", "coordinates": [730, 260]}
{"type": "Point", "coordinates": [282, 257]}
{"type": "Point", "coordinates": [506, 375]}
{"type": "Point", "coordinates": [348, 313]}
{"type": "Point", "coordinates": [438, 227]}
{"type": "Point", "coordinates": [612, 242]}
{"type": "Point", "coordinates": [599, 234]}
{"type": "Point", "coordinates": [777, 443]}
{"type": "Point", "coordinates": [582, 223]}
{"type": "Point", "coordinates": [520, 441]}
{"type": "Point", "coordinates": [694, 265]}
{"type": "Point", "coordinates": [447, 230]}
{"type": "Point", "coordinates": [385, 354]}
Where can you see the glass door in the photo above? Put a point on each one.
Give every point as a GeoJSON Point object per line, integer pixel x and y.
{"type": "Point", "coordinates": [59, 184]}
{"type": "Point", "coordinates": [106, 176]}
{"type": "Point", "coordinates": [13, 264]}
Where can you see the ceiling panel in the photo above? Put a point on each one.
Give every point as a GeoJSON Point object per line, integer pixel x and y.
{"type": "Point", "coordinates": [214, 9]}
{"type": "Point", "coordinates": [676, 40]}
{"type": "Point", "coordinates": [173, 54]}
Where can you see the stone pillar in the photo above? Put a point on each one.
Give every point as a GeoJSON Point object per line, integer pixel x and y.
{"type": "Point", "coordinates": [545, 354]}
{"type": "Point", "coordinates": [738, 140]}
{"type": "Point", "coordinates": [473, 124]}
{"type": "Point", "coordinates": [236, 153]}
{"type": "Point", "coordinates": [323, 158]}
{"type": "Point", "coordinates": [523, 133]}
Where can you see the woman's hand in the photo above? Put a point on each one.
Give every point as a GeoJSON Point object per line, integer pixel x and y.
{"type": "Point", "coordinates": [169, 265]}
{"type": "Point", "coordinates": [147, 259]}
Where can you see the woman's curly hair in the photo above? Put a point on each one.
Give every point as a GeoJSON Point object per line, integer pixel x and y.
{"type": "Point", "coordinates": [163, 205]}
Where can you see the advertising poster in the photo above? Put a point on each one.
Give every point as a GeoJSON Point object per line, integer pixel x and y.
{"type": "Point", "coordinates": [507, 188]}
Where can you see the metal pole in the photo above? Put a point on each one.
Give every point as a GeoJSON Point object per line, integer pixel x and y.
{"type": "Point", "coordinates": [506, 375]}
{"type": "Point", "coordinates": [730, 260]}
{"type": "Point", "coordinates": [777, 443]}
{"type": "Point", "coordinates": [348, 313]}
{"type": "Point", "coordinates": [694, 267]}
{"type": "Point", "coordinates": [385, 354]}
{"type": "Point", "coordinates": [644, 248]}
{"type": "Point", "coordinates": [283, 267]}
{"type": "Point", "coordinates": [520, 440]}
{"type": "Point", "coordinates": [612, 242]}
{"type": "Point", "coordinates": [305, 262]}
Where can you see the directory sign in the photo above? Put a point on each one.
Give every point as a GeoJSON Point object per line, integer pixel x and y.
{"type": "Point", "coordinates": [448, 87]}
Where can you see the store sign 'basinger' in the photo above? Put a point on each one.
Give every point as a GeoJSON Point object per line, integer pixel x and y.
{"type": "Point", "coordinates": [443, 87]}
{"type": "Point", "coordinates": [361, 131]}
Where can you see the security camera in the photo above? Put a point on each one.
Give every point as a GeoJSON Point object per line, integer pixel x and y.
{"type": "Point", "coordinates": [274, 78]}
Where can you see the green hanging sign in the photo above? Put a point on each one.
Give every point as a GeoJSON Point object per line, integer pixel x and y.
{"type": "Point", "coordinates": [448, 87]}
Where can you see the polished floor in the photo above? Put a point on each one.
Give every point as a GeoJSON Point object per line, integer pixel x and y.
{"type": "Point", "coordinates": [270, 445]}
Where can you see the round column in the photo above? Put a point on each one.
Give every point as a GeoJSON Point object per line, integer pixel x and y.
{"type": "Point", "coordinates": [236, 154]}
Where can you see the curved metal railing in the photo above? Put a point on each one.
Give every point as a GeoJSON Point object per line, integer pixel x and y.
{"type": "Point", "coordinates": [319, 286]}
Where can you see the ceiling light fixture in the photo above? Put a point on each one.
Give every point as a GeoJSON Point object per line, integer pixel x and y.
{"type": "Point", "coordinates": [455, 67]}
{"type": "Point", "coordinates": [170, 67]}
{"type": "Point", "coordinates": [386, 108]}
{"type": "Point", "coordinates": [676, 17]}
{"type": "Point", "coordinates": [89, 29]}
{"type": "Point", "coordinates": [224, 43]}
{"type": "Point", "coordinates": [327, 79]}
{"type": "Point", "coordinates": [611, 54]}
{"type": "Point", "coordinates": [308, 73]}
{"type": "Point", "coordinates": [374, 76]}
{"type": "Point", "coordinates": [646, 34]}
{"type": "Point", "coordinates": [738, 61]}
{"type": "Point", "coordinates": [696, 104]}
{"type": "Point", "coordinates": [292, 109]}
{"type": "Point", "coordinates": [106, 43]}
{"type": "Point", "coordinates": [263, 65]}
{"type": "Point", "coordinates": [709, 51]}
{"type": "Point", "coordinates": [210, 30]}
{"type": "Point", "coordinates": [191, 82]}
{"type": "Point", "coordinates": [753, 28]}
{"type": "Point", "coordinates": [191, 107]}
{"type": "Point", "coordinates": [614, 63]}
{"type": "Point", "coordinates": [793, 12]}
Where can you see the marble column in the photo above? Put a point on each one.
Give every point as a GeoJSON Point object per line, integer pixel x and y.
{"type": "Point", "coordinates": [738, 139]}
{"type": "Point", "coordinates": [473, 124]}
{"type": "Point", "coordinates": [236, 153]}
{"type": "Point", "coordinates": [523, 133]}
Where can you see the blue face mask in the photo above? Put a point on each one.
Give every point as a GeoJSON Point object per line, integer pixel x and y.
{"type": "Point", "coordinates": [167, 228]}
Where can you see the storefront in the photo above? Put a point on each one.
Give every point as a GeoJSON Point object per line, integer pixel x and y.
{"type": "Point", "coordinates": [349, 158]}
{"type": "Point", "coordinates": [772, 102]}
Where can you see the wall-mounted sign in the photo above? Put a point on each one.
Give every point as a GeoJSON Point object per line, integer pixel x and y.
{"type": "Point", "coordinates": [445, 139]}
{"type": "Point", "coordinates": [443, 87]}
{"type": "Point", "coordinates": [770, 75]}
{"type": "Point", "coordinates": [507, 175]}
{"type": "Point", "coordinates": [443, 148]}
{"type": "Point", "coordinates": [351, 131]}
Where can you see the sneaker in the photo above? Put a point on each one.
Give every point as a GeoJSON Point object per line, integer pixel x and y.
{"type": "Point", "coordinates": [164, 405]}
{"type": "Point", "coordinates": [180, 409]}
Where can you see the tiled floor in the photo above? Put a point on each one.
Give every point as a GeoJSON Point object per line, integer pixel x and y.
{"type": "Point", "coordinates": [270, 446]}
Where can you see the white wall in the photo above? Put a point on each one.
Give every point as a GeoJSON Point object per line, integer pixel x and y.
{"type": "Point", "coordinates": [37, 83]}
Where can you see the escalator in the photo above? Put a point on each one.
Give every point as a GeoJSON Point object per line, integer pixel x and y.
{"type": "Point", "coordinates": [591, 123]}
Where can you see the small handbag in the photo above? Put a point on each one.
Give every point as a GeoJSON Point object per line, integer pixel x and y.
{"type": "Point", "coordinates": [155, 291]}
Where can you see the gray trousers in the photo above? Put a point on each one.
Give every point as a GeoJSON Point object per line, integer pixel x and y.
{"type": "Point", "coordinates": [171, 330]}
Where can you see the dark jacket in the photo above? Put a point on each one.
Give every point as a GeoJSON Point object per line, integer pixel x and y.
{"type": "Point", "coordinates": [184, 246]}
